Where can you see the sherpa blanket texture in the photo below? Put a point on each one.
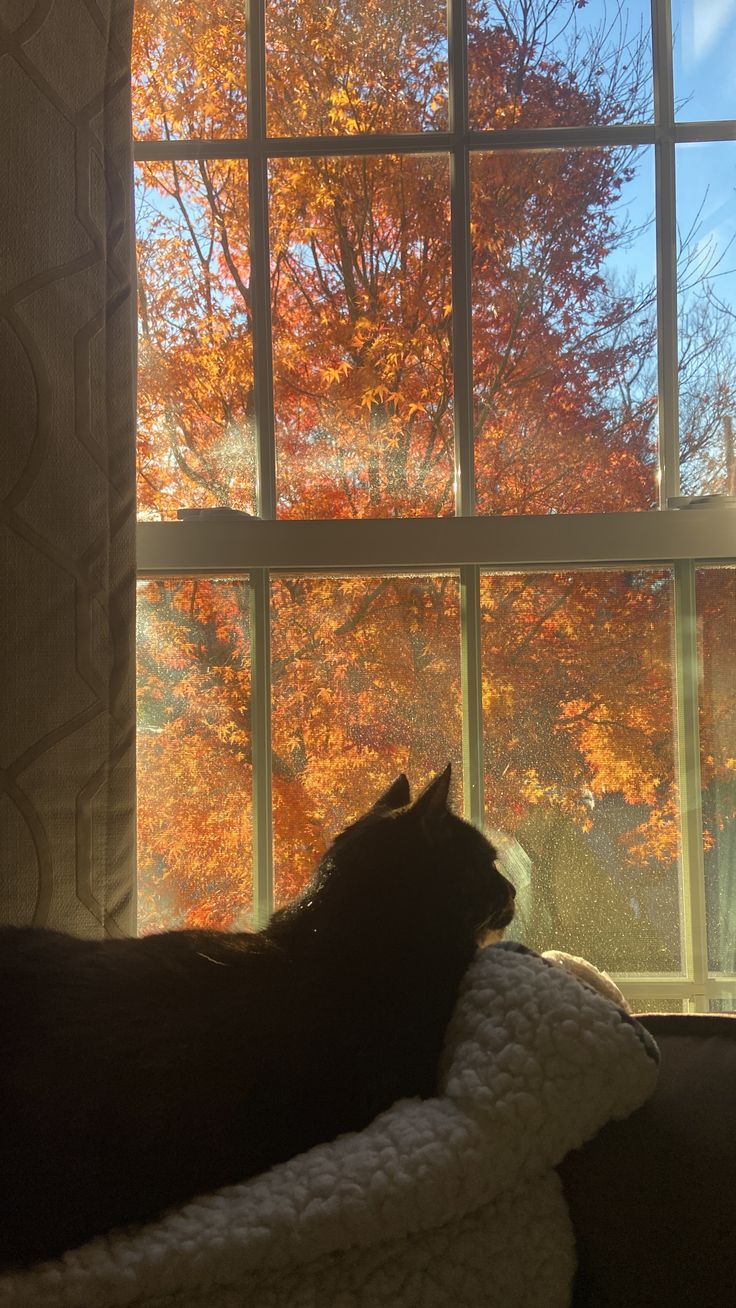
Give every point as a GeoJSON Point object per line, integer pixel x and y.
{"type": "Point", "coordinates": [449, 1202]}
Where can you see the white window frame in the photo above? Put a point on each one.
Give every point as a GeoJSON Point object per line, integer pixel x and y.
{"type": "Point", "coordinates": [682, 539]}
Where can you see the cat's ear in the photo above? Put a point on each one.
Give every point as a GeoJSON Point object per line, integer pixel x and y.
{"type": "Point", "coordinates": [432, 803]}
{"type": "Point", "coordinates": [398, 794]}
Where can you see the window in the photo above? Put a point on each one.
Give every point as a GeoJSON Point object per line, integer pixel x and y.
{"type": "Point", "coordinates": [437, 345]}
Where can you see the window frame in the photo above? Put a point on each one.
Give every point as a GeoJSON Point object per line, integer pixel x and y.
{"type": "Point", "coordinates": [681, 538]}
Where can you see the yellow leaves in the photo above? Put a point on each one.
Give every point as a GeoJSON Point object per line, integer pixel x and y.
{"type": "Point", "coordinates": [229, 733]}
{"type": "Point", "coordinates": [533, 789]}
{"type": "Point", "coordinates": [372, 394]}
{"type": "Point", "coordinates": [346, 112]}
{"type": "Point", "coordinates": [498, 698]}
{"type": "Point", "coordinates": [331, 375]}
{"type": "Point", "coordinates": [393, 401]}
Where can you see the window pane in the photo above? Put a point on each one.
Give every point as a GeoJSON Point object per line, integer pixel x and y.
{"type": "Point", "coordinates": [654, 1003]}
{"type": "Point", "coordinates": [362, 317]}
{"type": "Point", "coordinates": [564, 330]}
{"type": "Point", "coordinates": [194, 754]}
{"type": "Point", "coordinates": [551, 63]}
{"type": "Point", "coordinates": [706, 221]}
{"type": "Point", "coordinates": [704, 36]}
{"type": "Point", "coordinates": [580, 778]}
{"type": "Point", "coordinates": [366, 684]}
{"type": "Point", "coordinates": [196, 441]}
{"type": "Point", "coordinates": [189, 69]}
{"type": "Point", "coordinates": [726, 1003]}
{"type": "Point", "coordinates": [716, 601]}
{"type": "Point", "coordinates": [355, 66]}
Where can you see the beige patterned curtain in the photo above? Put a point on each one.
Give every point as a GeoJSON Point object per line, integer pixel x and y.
{"type": "Point", "coordinates": [67, 366]}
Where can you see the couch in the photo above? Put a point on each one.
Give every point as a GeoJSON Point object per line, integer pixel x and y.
{"type": "Point", "coordinates": [653, 1198]}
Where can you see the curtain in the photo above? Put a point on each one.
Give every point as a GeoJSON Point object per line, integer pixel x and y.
{"type": "Point", "coordinates": [67, 406]}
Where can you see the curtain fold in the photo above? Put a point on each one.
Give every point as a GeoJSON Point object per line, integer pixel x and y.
{"type": "Point", "coordinates": [67, 472]}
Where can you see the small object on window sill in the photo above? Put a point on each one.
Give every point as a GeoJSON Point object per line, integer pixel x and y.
{"type": "Point", "coordinates": [222, 511]}
{"type": "Point", "coordinates": [701, 501]}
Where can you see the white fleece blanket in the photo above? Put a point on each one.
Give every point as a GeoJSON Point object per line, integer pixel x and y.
{"type": "Point", "coordinates": [450, 1202]}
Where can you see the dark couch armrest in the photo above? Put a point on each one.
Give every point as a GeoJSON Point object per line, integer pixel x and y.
{"type": "Point", "coordinates": [653, 1198]}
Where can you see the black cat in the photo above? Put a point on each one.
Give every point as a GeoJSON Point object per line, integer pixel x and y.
{"type": "Point", "coordinates": [135, 1074]}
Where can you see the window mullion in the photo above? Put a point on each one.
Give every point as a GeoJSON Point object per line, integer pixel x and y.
{"type": "Point", "coordinates": [472, 690]}
{"type": "Point", "coordinates": [666, 238]}
{"type": "Point", "coordinates": [260, 693]}
{"type": "Point", "coordinates": [261, 760]}
{"type": "Point", "coordinates": [693, 915]}
{"type": "Point", "coordinates": [260, 262]}
{"type": "Point", "coordinates": [434, 142]}
{"type": "Point", "coordinates": [462, 361]}
{"type": "Point", "coordinates": [462, 356]}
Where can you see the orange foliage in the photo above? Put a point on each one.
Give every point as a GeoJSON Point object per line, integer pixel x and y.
{"type": "Point", "coordinates": [366, 671]}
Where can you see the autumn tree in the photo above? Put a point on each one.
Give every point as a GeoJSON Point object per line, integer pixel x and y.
{"type": "Point", "coordinates": [577, 667]}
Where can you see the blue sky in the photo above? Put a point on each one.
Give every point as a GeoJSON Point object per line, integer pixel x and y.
{"type": "Point", "coordinates": [705, 88]}
{"type": "Point", "coordinates": [705, 49]}
{"type": "Point", "coordinates": [705, 57]}
{"type": "Point", "coordinates": [705, 64]}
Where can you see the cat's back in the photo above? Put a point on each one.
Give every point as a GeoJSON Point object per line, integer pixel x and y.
{"type": "Point", "coordinates": [60, 989]}
{"type": "Point", "coordinates": [137, 1037]}
{"type": "Point", "coordinates": [133, 1074]}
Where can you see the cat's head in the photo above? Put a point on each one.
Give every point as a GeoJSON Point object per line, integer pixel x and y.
{"type": "Point", "coordinates": [411, 871]}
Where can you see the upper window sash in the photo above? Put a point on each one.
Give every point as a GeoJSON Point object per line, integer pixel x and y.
{"type": "Point", "coordinates": [508, 542]}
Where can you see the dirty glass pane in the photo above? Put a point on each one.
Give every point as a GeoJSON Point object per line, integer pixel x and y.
{"type": "Point", "coordinates": [196, 429]}
{"type": "Point", "coordinates": [194, 754]}
{"type": "Point", "coordinates": [716, 607]}
{"type": "Point", "coordinates": [559, 63]}
{"type": "Point", "coordinates": [189, 70]}
{"type": "Point", "coordinates": [706, 275]}
{"type": "Point", "coordinates": [564, 330]}
{"type": "Point", "coordinates": [362, 340]}
{"type": "Point", "coordinates": [355, 66]}
{"type": "Point", "coordinates": [580, 766]}
{"type": "Point", "coordinates": [366, 684]}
